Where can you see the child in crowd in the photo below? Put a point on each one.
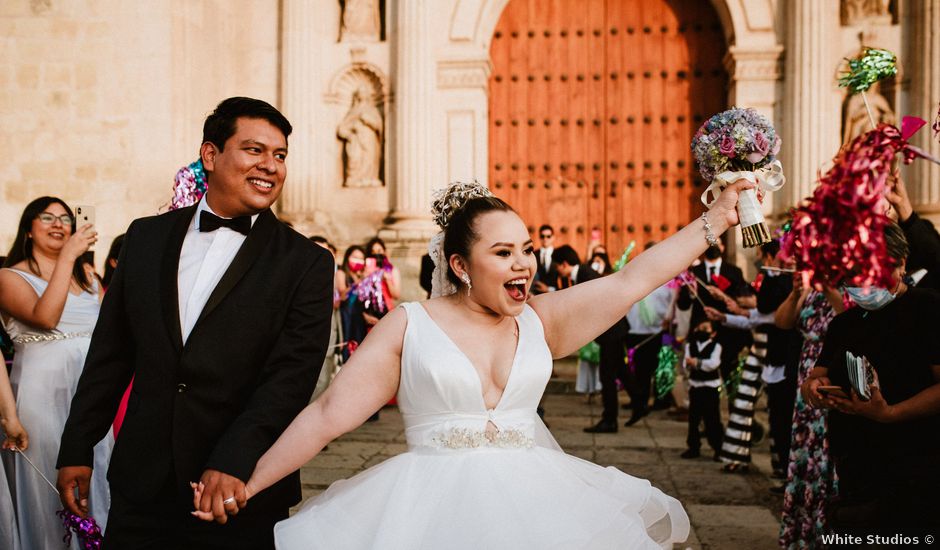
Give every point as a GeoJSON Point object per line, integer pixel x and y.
{"type": "Point", "coordinates": [702, 359]}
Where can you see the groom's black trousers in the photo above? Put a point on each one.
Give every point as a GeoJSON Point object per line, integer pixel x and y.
{"type": "Point", "coordinates": [165, 522]}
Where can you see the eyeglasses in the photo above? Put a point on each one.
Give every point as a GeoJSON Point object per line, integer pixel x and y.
{"type": "Point", "coordinates": [48, 218]}
{"type": "Point", "coordinates": [545, 236]}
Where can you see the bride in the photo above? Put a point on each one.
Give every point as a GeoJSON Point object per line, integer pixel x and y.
{"type": "Point", "coordinates": [469, 367]}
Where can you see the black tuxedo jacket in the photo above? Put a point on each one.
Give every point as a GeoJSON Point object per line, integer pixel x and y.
{"type": "Point", "coordinates": [548, 276]}
{"type": "Point", "coordinates": [729, 271]}
{"type": "Point", "coordinates": [221, 400]}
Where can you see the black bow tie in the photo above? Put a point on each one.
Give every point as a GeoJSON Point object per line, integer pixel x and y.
{"type": "Point", "coordinates": [210, 222]}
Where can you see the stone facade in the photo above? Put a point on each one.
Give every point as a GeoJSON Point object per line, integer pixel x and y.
{"type": "Point", "coordinates": [102, 100]}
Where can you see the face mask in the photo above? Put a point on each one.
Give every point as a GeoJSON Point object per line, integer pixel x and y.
{"type": "Point", "coordinates": [712, 253]}
{"type": "Point", "coordinates": [356, 265]}
{"type": "Point", "coordinates": [701, 336]}
{"type": "Point", "coordinates": [380, 260]}
{"type": "Point", "coordinates": [875, 298]}
{"type": "Point", "coordinates": [597, 266]}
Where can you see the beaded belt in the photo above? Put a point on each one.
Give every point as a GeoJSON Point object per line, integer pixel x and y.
{"type": "Point", "coordinates": [33, 337]}
{"type": "Point", "coordinates": [464, 438]}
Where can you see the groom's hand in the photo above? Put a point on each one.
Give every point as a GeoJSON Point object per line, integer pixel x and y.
{"type": "Point", "coordinates": [223, 495]}
{"type": "Point", "coordinates": [71, 478]}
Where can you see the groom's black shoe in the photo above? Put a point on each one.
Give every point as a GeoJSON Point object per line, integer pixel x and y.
{"type": "Point", "coordinates": [602, 427]}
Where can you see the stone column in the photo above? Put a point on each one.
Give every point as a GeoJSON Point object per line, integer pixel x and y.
{"type": "Point", "coordinates": [923, 177]}
{"type": "Point", "coordinates": [811, 98]}
{"type": "Point", "coordinates": [413, 158]}
{"type": "Point", "coordinates": [299, 82]}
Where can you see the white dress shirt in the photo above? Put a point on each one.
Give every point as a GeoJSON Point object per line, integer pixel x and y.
{"type": "Point", "coordinates": [647, 315]}
{"type": "Point", "coordinates": [712, 268]}
{"type": "Point", "coordinates": [770, 374]}
{"type": "Point", "coordinates": [706, 365]}
{"type": "Point", "coordinates": [546, 257]}
{"type": "Point", "coordinates": [203, 260]}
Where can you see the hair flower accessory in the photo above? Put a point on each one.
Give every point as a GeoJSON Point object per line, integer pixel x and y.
{"type": "Point", "coordinates": [449, 200]}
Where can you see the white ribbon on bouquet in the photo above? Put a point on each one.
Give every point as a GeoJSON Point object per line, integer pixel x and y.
{"type": "Point", "coordinates": [768, 179]}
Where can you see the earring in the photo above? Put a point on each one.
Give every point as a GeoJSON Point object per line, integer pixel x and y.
{"type": "Point", "coordinates": [466, 280]}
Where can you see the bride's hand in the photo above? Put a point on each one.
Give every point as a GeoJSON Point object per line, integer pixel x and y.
{"type": "Point", "coordinates": [724, 211]}
{"type": "Point", "coordinates": [197, 498]}
{"type": "Point", "coordinates": [198, 488]}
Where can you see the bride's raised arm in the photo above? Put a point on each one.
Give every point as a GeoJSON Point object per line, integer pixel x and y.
{"type": "Point", "coordinates": [366, 383]}
{"type": "Point", "coordinates": [577, 315]}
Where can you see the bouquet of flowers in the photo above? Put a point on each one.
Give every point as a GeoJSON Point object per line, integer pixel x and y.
{"type": "Point", "coordinates": [740, 144]}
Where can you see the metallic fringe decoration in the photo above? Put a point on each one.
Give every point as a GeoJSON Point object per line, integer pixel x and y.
{"type": "Point", "coordinates": [755, 235]}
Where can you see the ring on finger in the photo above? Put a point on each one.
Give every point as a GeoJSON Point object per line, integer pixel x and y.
{"type": "Point", "coordinates": [229, 500]}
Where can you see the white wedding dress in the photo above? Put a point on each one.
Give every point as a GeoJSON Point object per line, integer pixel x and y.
{"type": "Point", "coordinates": [457, 488]}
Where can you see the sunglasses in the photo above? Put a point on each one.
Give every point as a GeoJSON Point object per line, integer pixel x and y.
{"type": "Point", "coordinates": [545, 236]}
{"type": "Point", "coordinates": [49, 218]}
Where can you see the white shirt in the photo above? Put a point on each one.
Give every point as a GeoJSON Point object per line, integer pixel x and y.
{"type": "Point", "coordinates": [706, 365]}
{"type": "Point", "coordinates": [770, 374]}
{"type": "Point", "coordinates": [546, 257]}
{"type": "Point", "coordinates": [712, 268]}
{"type": "Point", "coordinates": [657, 305]}
{"type": "Point", "coordinates": [203, 260]}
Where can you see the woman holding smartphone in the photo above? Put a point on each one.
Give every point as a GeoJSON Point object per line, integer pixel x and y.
{"type": "Point", "coordinates": [49, 303]}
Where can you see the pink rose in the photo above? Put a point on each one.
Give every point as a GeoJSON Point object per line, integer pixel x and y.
{"type": "Point", "coordinates": [761, 144]}
{"type": "Point", "coordinates": [727, 146]}
{"type": "Point", "coordinates": [776, 148]}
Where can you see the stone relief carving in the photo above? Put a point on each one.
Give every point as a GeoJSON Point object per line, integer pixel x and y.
{"type": "Point", "coordinates": [860, 12]}
{"type": "Point", "coordinates": [361, 21]}
{"type": "Point", "coordinates": [362, 131]}
{"type": "Point", "coordinates": [855, 120]}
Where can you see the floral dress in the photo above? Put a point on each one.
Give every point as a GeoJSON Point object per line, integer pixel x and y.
{"type": "Point", "coordinates": [811, 476]}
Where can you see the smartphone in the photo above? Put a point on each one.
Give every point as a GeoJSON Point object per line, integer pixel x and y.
{"type": "Point", "coordinates": [833, 391]}
{"type": "Point", "coordinates": [595, 234]}
{"type": "Point", "coordinates": [370, 265]}
{"type": "Point", "coordinates": [84, 215]}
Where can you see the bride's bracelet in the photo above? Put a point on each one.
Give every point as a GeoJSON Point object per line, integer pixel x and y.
{"type": "Point", "coordinates": [710, 237]}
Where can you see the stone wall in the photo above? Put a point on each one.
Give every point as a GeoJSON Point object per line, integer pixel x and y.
{"type": "Point", "coordinates": [102, 100]}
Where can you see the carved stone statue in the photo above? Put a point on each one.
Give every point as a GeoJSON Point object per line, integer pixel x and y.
{"type": "Point", "coordinates": [855, 120]}
{"type": "Point", "coordinates": [361, 130]}
{"type": "Point", "coordinates": [859, 12]}
{"type": "Point", "coordinates": [361, 21]}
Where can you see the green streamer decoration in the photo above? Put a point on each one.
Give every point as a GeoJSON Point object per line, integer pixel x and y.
{"type": "Point", "coordinates": [625, 257]}
{"type": "Point", "coordinates": [664, 377]}
{"type": "Point", "coordinates": [870, 67]}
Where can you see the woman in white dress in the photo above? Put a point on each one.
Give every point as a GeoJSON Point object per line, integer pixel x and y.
{"type": "Point", "coordinates": [469, 368]}
{"type": "Point", "coordinates": [49, 304]}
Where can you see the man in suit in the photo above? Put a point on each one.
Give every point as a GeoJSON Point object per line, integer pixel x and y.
{"type": "Point", "coordinates": [571, 272]}
{"type": "Point", "coordinates": [732, 340]}
{"type": "Point", "coordinates": [221, 314]}
{"type": "Point", "coordinates": [545, 274]}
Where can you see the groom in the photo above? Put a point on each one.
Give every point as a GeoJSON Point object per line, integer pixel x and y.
{"type": "Point", "coordinates": [220, 313]}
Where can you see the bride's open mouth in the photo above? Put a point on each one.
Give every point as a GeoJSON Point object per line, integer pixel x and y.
{"type": "Point", "coordinates": [517, 288]}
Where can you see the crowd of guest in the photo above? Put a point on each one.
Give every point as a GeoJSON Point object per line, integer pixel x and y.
{"type": "Point", "coordinates": [845, 461]}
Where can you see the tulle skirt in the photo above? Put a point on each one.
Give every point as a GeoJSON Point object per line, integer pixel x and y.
{"type": "Point", "coordinates": [487, 498]}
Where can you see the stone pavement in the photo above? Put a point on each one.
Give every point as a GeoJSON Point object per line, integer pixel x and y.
{"type": "Point", "coordinates": [727, 511]}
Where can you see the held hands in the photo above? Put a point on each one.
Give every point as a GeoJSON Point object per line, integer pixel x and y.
{"type": "Point", "coordinates": [17, 439]}
{"type": "Point", "coordinates": [79, 243]}
{"type": "Point", "coordinates": [218, 495]}
{"type": "Point", "coordinates": [70, 479]}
